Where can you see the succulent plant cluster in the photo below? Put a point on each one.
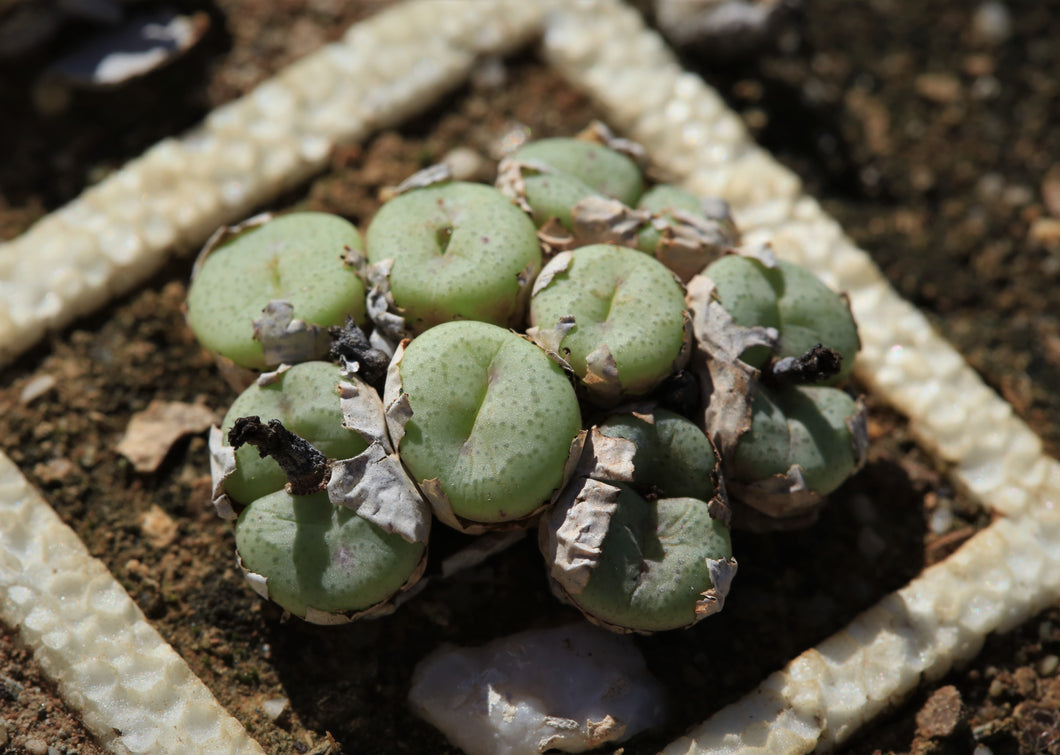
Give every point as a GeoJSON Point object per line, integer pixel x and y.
{"type": "Point", "coordinates": [567, 350]}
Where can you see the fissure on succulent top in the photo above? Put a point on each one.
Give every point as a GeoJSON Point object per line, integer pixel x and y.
{"type": "Point", "coordinates": [534, 331]}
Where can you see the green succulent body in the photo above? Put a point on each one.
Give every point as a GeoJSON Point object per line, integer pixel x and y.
{"type": "Point", "coordinates": [318, 555]}
{"type": "Point", "coordinates": [652, 569]}
{"type": "Point", "coordinates": [623, 300]}
{"type": "Point", "coordinates": [460, 251]}
{"type": "Point", "coordinates": [492, 419]}
{"type": "Point", "coordinates": [808, 426]}
{"type": "Point", "coordinates": [579, 169]}
{"type": "Point", "coordinates": [305, 399]}
{"type": "Point", "coordinates": [791, 299]}
{"type": "Point", "coordinates": [673, 455]}
{"type": "Point", "coordinates": [298, 258]}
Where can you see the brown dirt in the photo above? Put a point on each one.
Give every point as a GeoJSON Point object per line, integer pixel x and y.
{"type": "Point", "coordinates": [900, 163]}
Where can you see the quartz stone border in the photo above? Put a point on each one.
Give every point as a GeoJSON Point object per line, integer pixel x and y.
{"type": "Point", "coordinates": [384, 70]}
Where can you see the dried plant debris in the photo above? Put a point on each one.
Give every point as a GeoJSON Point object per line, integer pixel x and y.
{"type": "Point", "coordinates": [152, 432]}
{"type": "Point", "coordinates": [503, 698]}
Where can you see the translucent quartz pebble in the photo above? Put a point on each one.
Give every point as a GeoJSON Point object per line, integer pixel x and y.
{"type": "Point", "coordinates": [571, 688]}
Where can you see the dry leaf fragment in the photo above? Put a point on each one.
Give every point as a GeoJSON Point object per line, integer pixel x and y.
{"type": "Point", "coordinates": [285, 340]}
{"type": "Point", "coordinates": [375, 486]}
{"type": "Point", "coordinates": [152, 432]}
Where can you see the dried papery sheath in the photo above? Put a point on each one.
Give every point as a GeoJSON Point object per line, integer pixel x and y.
{"type": "Point", "coordinates": [285, 340]}
{"type": "Point", "coordinates": [601, 133]}
{"type": "Point", "coordinates": [725, 379]}
{"type": "Point", "coordinates": [434, 174]}
{"type": "Point", "coordinates": [375, 486]}
{"type": "Point", "coordinates": [382, 310]}
{"type": "Point", "coordinates": [222, 465]}
{"type": "Point", "coordinates": [573, 538]}
{"type": "Point", "coordinates": [633, 556]}
{"type": "Point", "coordinates": [362, 412]}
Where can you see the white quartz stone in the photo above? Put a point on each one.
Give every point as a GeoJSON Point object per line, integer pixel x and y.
{"type": "Point", "coordinates": [571, 688]}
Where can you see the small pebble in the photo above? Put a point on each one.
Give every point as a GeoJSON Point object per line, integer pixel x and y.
{"type": "Point", "coordinates": [274, 708]}
{"type": "Point", "coordinates": [941, 713]}
{"type": "Point", "coordinates": [941, 519]}
{"type": "Point", "coordinates": [36, 388]}
{"type": "Point", "coordinates": [35, 747]}
{"type": "Point", "coordinates": [982, 750]}
{"type": "Point", "coordinates": [996, 688]}
{"type": "Point", "coordinates": [992, 23]}
{"type": "Point", "coordinates": [1047, 666]}
{"type": "Point", "coordinates": [942, 88]}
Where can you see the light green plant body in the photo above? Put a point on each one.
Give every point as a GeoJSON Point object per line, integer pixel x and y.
{"type": "Point", "coordinates": [653, 563]}
{"type": "Point", "coordinates": [492, 419]}
{"type": "Point", "coordinates": [791, 299]}
{"type": "Point", "coordinates": [804, 425]}
{"type": "Point", "coordinates": [673, 454]}
{"type": "Point", "coordinates": [315, 554]}
{"type": "Point", "coordinates": [621, 299]}
{"type": "Point", "coordinates": [461, 251]}
{"type": "Point", "coordinates": [579, 169]}
{"type": "Point", "coordinates": [296, 258]}
{"type": "Point", "coordinates": [305, 399]}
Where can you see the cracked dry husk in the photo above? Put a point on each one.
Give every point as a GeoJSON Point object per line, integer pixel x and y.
{"type": "Point", "coordinates": [725, 379]}
{"type": "Point", "coordinates": [286, 340]}
{"type": "Point", "coordinates": [687, 243]}
{"type": "Point", "coordinates": [571, 536]}
{"type": "Point", "coordinates": [384, 313]}
{"type": "Point", "coordinates": [599, 132]}
{"type": "Point", "coordinates": [374, 485]}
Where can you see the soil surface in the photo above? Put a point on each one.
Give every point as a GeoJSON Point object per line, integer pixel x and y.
{"type": "Point", "coordinates": [935, 147]}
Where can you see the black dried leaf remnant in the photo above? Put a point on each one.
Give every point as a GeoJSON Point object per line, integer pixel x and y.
{"type": "Point", "coordinates": [306, 468]}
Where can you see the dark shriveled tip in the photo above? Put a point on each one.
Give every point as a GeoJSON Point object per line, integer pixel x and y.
{"type": "Point", "coordinates": [307, 469]}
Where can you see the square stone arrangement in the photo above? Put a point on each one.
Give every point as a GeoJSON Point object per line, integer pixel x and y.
{"type": "Point", "coordinates": [133, 691]}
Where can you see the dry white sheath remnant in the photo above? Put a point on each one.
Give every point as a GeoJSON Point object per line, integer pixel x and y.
{"type": "Point", "coordinates": [394, 64]}
{"type": "Point", "coordinates": [570, 688]}
{"type": "Point", "coordinates": [134, 693]}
